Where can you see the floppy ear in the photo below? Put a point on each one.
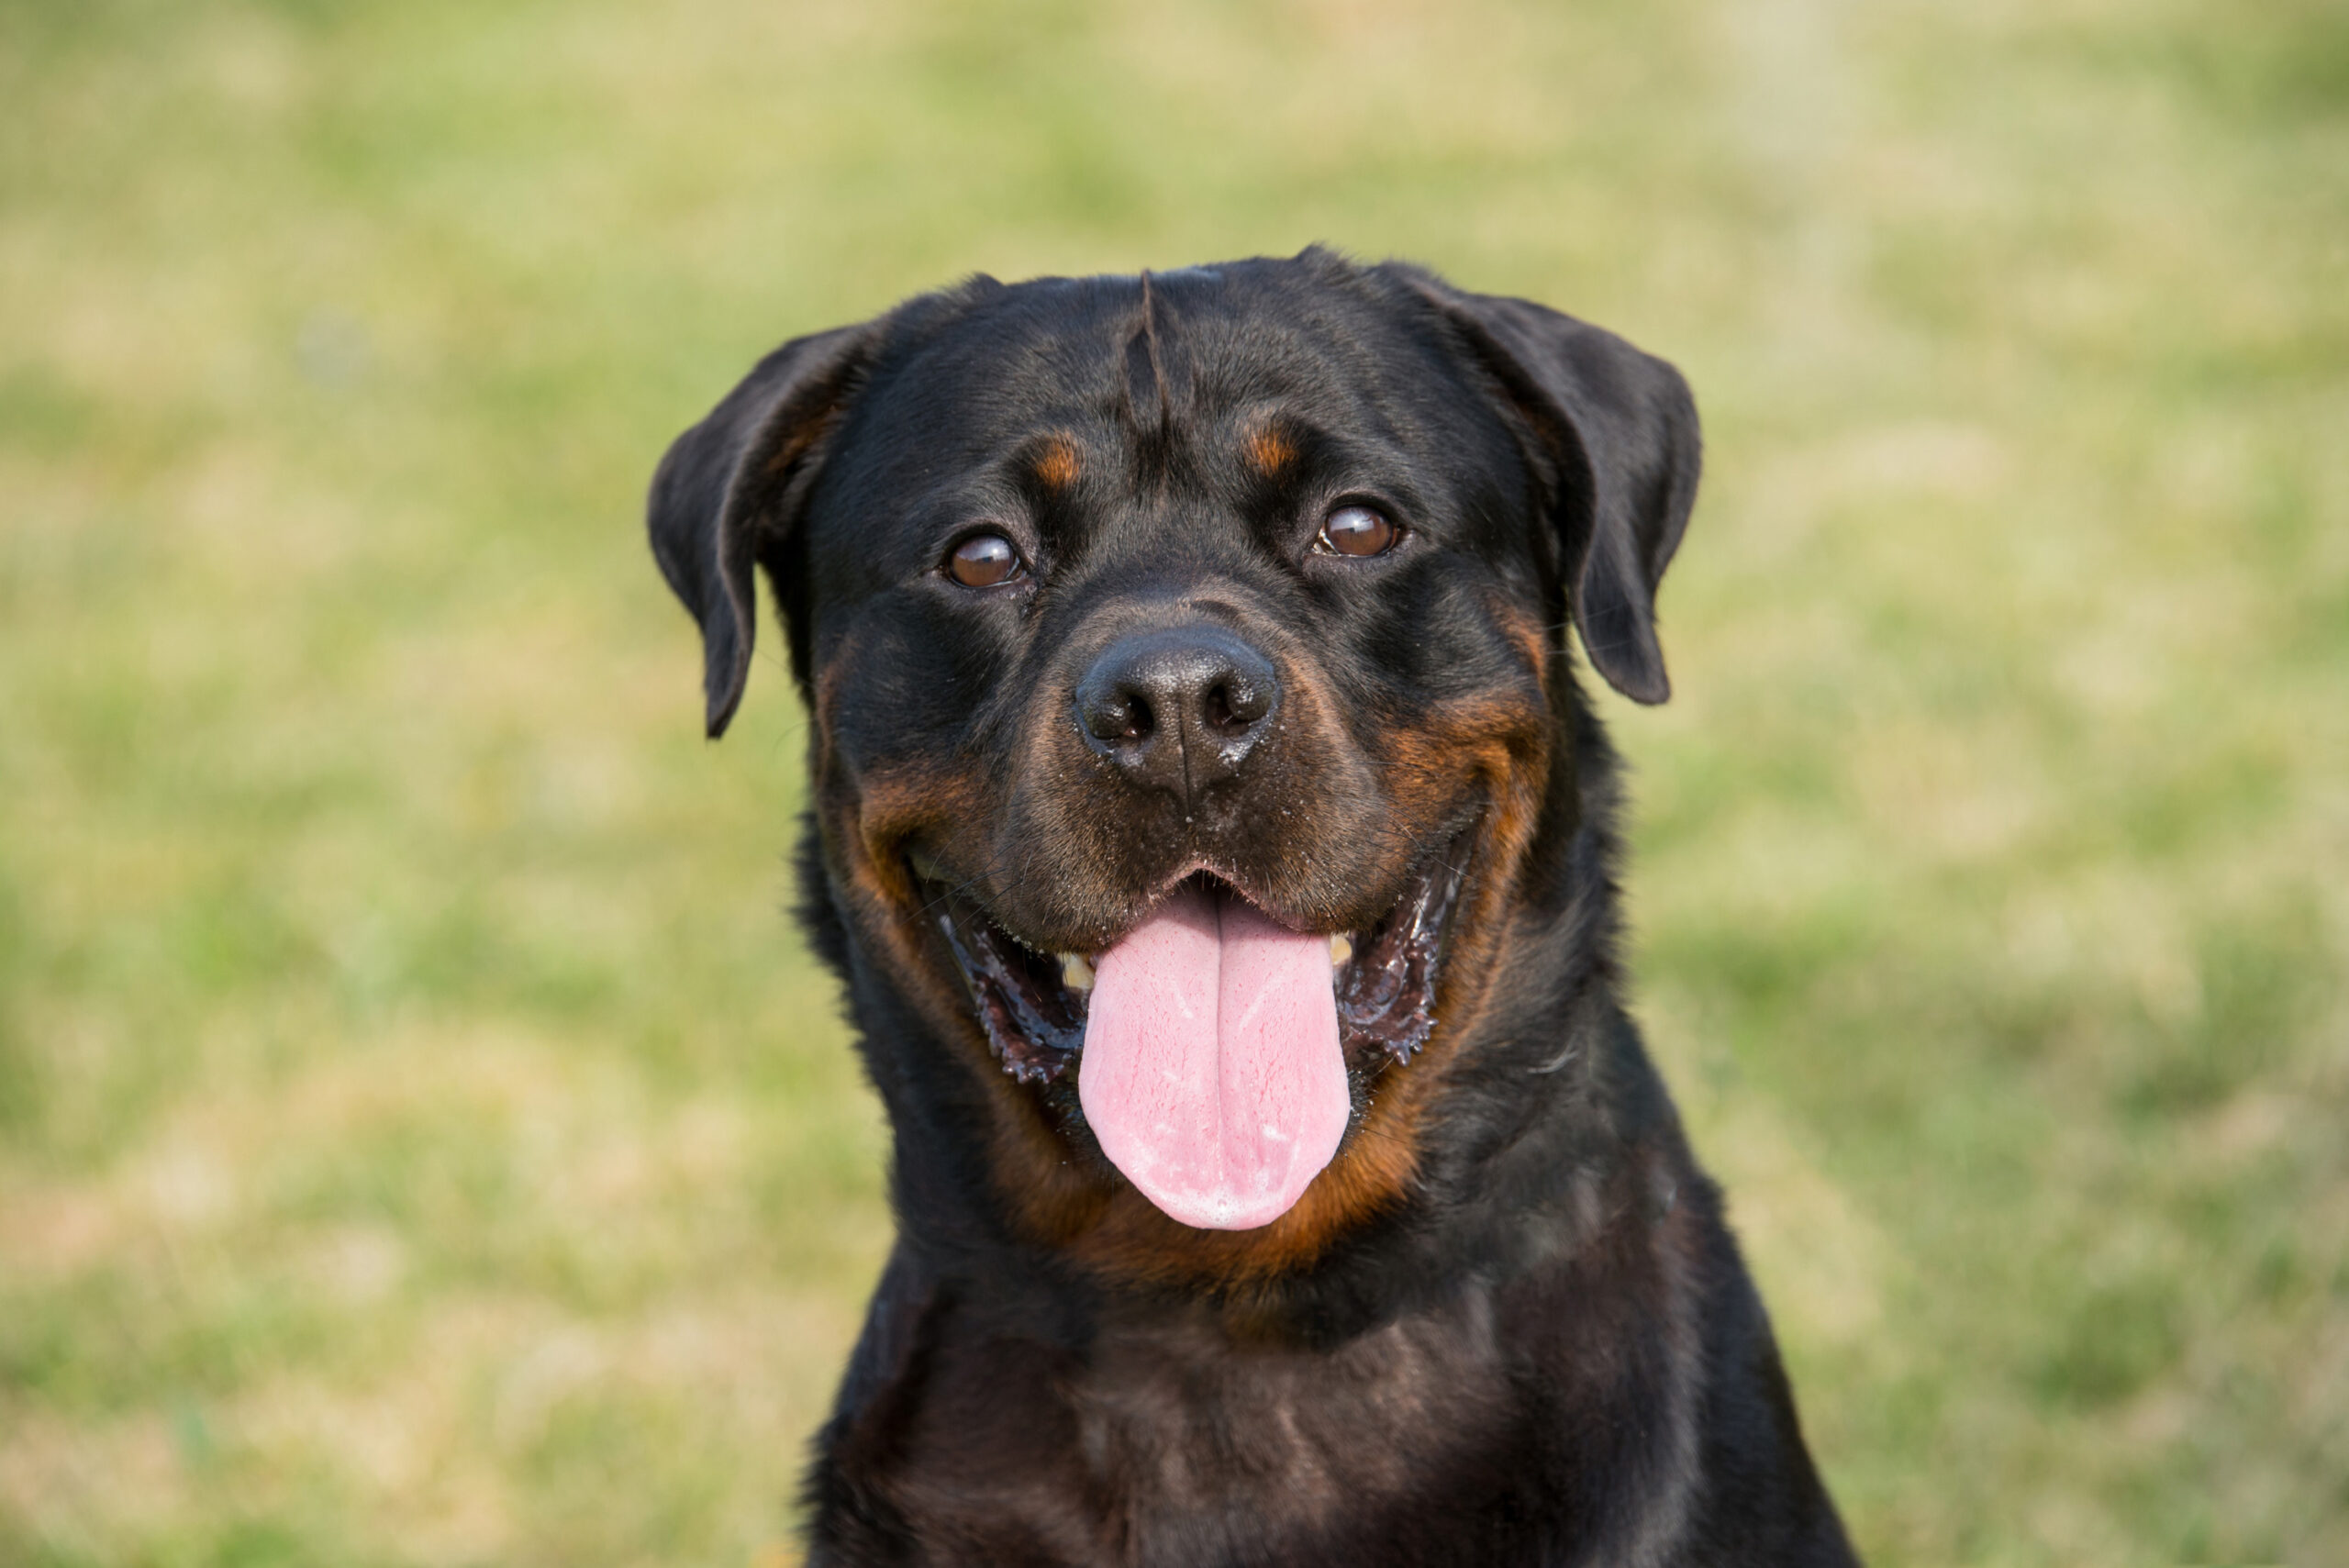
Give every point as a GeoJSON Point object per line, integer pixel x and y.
{"type": "Point", "coordinates": [1619, 439]}
{"type": "Point", "coordinates": [727, 494]}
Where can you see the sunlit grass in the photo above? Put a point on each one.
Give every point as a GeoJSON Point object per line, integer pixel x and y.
{"type": "Point", "coordinates": [422, 1138]}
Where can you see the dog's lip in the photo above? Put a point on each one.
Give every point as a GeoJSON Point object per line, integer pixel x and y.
{"type": "Point", "coordinates": [1034, 1018]}
{"type": "Point", "coordinates": [946, 888]}
{"type": "Point", "coordinates": [1224, 881]}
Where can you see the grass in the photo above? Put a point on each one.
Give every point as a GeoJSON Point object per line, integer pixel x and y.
{"type": "Point", "coordinates": [422, 1138]}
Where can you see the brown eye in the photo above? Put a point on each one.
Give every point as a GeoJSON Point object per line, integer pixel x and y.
{"type": "Point", "coordinates": [1357, 530]}
{"type": "Point", "coordinates": [983, 560]}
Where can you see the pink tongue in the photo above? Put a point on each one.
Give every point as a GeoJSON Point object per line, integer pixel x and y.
{"type": "Point", "coordinates": [1211, 1072]}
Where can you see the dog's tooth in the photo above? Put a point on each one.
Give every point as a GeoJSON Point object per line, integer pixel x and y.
{"type": "Point", "coordinates": [1075, 973]}
{"type": "Point", "coordinates": [1342, 947]}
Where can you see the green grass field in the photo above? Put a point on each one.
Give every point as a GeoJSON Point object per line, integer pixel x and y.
{"type": "Point", "coordinates": [422, 1139]}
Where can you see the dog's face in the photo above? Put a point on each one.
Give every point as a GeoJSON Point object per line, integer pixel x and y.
{"type": "Point", "coordinates": [1188, 706]}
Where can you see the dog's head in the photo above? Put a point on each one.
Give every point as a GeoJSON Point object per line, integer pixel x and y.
{"type": "Point", "coordinates": [1189, 699]}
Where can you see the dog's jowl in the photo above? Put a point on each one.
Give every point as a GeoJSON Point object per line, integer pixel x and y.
{"type": "Point", "coordinates": [1219, 851]}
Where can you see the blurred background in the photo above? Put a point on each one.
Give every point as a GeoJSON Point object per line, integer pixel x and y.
{"type": "Point", "coordinates": [422, 1138]}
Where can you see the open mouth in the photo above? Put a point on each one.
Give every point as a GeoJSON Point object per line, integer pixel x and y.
{"type": "Point", "coordinates": [1214, 1046]}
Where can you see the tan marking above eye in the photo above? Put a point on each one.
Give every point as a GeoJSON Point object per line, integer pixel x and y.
{"type": "Point", "coordinates": [1357, 530]}
{"type": "Point", "coordinates": [984, 561]}
{"type": "Point", "coordinates": [1269, 450]}
{"type": "Point", "coordinates": [1058, 464]}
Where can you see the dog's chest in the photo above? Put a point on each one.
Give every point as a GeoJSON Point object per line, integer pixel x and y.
{"type": "Point", "coordinates": [1175, 1444]}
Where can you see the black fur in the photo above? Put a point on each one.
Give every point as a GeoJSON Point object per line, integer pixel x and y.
{"type": "Point", "coordinates": [1530, 1338]}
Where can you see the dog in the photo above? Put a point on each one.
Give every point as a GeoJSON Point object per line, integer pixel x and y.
{"type": "Point", "coordinates": [1219, 854]}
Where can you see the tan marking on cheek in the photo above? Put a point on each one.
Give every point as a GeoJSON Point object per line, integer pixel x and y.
{"type": "Point", "coordinates": [1505, 747]}
{"type": "Point", "coordinates": [1496, 746]}
{"type": "Point", "coordinates": [870, 817]}
{"type": "Point", "coordinates": [1029, 1160]}
{"type": "Point", "coordinates": [892, 935]}
{"type": "Point", "coordinates": [894, 805]}
{"type": "Point", "coordinates": [1058, 464]}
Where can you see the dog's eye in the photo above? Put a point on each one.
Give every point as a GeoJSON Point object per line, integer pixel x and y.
{"type": "Point", "coordinates": [983, 560]}
{"type": "Point", "coordinates": [1357, 530]}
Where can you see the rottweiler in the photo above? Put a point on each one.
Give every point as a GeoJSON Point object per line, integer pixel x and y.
{"type": "Point", "coordinates": [1219, 852]}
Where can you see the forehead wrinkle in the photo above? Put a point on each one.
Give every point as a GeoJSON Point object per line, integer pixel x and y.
{"type": "Point", "coordinates": [1145, 359]}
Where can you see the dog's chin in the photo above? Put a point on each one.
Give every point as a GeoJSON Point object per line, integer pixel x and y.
{"type": "Point", "coordinates": [1032, 1002]}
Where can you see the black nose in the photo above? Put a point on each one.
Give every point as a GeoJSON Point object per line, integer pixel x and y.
{"type": "Point", "coordinates": [1179, 707]}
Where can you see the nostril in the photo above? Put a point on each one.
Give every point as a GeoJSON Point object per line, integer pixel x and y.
{"type": "Point", "coordinates": [1234, 704]}
{"type": "Point", "coordinates": [1115, 714]}
{"type": "Point", "coordinates": [1238, 702]}
{"type": "Point", "coordinates": [1139, 720]}
{"type": "Point", "coordinates": [1110, 717]}
{"type": "Point", "coordinates": [1215, 708]}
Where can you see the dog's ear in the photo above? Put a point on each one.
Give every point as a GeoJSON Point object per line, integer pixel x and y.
{"type": "Point", "coordinates": [727, 494]}
{"type": "Point", "coordinates": [1617, 440]}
